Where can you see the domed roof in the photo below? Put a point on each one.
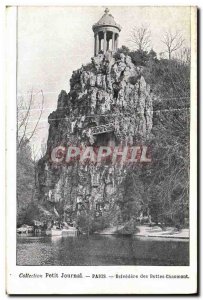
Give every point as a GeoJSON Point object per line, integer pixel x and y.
{"type": "Point", "coordinates": [106, 20]}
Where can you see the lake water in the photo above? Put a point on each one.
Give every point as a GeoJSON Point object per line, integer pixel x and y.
{"type": "Point", "coordinates": [98, 250]}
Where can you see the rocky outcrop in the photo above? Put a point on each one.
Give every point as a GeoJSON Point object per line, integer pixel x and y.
{"type": "Point", "coordinates": [111, 95]}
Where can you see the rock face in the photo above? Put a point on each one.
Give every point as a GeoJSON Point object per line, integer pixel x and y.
{"type": "Point", "coordinates": [109, 103]}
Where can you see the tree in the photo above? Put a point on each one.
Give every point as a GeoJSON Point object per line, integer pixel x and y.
{"type": "Point", "coordinates": [26, 156]}
{"type": "Point", "coordinates": [169, 181]}
{"type": "Point", "coordinates": [139, 57]}
{"type": "Point", "coordinates": [140, 37]}
{"type": "Point", "coordinates": [133, 201]}
{"type": "Point", "coordinates": [173, 41]}
{"type": "Point", "coordinates": [183, 56]}
{"type": "Point", "coordinates": [25, 180]}
{"type": "Point", "coordinates": [24, 112]}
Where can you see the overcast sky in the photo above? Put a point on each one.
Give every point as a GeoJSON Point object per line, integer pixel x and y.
{"type": "Point", "coordinates": [54, 41]}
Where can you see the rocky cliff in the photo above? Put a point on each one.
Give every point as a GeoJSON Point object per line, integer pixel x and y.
{"type": "Point", "coordinates": [109, 103]}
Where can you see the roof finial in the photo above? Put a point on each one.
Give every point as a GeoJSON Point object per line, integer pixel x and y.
{"type": "Point", "coordinates": [106, 10]}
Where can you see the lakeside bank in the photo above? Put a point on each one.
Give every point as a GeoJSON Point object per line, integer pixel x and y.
{"type": "Point", "coordinates": [148, 231]}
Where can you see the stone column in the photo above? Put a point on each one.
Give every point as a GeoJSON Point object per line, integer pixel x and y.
{"type": "Point", "coordinates": [97, 43]}
{"type": "Point", "coordinates": [117, 42]}
{"type": "Point", "coordinates": [107, 48]}
{"type": "Point", "coordinates": [104, 49]}
{"type": "Point", "coordinates": [113, 41]}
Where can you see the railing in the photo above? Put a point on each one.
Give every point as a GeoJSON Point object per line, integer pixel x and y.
{"type": "Point", "coordinates": [102, 129]}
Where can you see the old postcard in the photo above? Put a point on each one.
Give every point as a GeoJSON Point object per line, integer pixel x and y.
{"type": "Point", "coordinates": [101, 150]}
